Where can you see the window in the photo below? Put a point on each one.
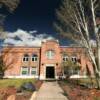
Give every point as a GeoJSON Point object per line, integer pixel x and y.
{"type": "Point", "coordinates": [33, 70]}
{"type": "Point", "coordinates": [74, 59]}
{"type": "Point", "coordinates": [26, 57]}
{"type": "Point", "coordinates": [65, 58]}
{"type": "Point", "coordinates": [34, 57]}
{"type": "Point", "coordinates": [50, 54]}
{"type": "Point", "coordinates": [25, 71]}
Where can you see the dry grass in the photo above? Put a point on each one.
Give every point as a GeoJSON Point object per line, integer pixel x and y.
{"type": "Point", "coordinates": [14, 82]}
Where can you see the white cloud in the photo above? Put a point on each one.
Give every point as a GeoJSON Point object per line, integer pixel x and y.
{"type": "Point", "coordinates": [25, 38]}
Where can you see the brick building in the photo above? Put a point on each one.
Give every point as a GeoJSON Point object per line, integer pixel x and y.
{"type": "Point", "coordinates": [43, 62]}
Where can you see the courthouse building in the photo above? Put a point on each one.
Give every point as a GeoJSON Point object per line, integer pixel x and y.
{"type": "Point", "coordinates": [45, 61]}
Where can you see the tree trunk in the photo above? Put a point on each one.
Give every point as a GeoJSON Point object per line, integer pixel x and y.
{"type": "Point", "coordinates": [98, 80]}
{"type": "Point", "coordinates": [98, 60]}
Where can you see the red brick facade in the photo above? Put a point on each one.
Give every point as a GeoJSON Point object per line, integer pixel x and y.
{"type": "Point", "coordinates": [39, 59]}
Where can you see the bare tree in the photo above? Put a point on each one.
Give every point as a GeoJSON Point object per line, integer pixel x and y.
{"type": "Point", "coordinates": [77, 20]}
{"type": "Point", "coordinates": [11, 5]}
{"type": "Point", "coordinates": [6, 60]}
{"type": "Point", "coordinates": [69, 67]}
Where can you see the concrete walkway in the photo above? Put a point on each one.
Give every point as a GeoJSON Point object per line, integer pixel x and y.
{"type": "Point", "coordinates": [50, 91]}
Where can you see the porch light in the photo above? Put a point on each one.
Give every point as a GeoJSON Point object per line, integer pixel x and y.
{"type": "Point", "coordinates": [56, 64]}
{"type": "Point", "coordinates": [42, 64]}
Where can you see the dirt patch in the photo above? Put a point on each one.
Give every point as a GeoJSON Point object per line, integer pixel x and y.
{"type": "Point", "coordinates": [38, 84]}
{"type": "Point", "coordinates": [76, 92]}
{"type": "Point", "coordinates": [25, 95]}
{"type": "Point", "coordinates": [5, 92]}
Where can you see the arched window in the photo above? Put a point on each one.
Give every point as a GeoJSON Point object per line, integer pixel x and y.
{"type": "Point", "coordinates": [26, 57]}
{"type": "Point", "coordinates": [74, 58]}
{"type": "Point", "coordinates": [34, 57]}
{"type": "Point", "coordinates": [65, 58]}
{"type": "Point", "coordinates": [50, 54]}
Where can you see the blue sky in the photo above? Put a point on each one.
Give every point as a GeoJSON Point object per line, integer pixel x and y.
{"type": "Point", "coordinates": [36, 15]}
{"type": "Point", "coordinates": [33, 15]}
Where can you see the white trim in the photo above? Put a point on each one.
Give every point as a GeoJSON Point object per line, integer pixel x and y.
{"type": "Point", "coordinates": [22, 70]}
{"type": "Point", "coordinates": [34, 59]}
{"type": "Point", "coordinates": [36, 76]}
{"type": "Point", "coordinates": [53, 65]}
{"type": "Point", "coordinates": [25, 58]}
{"type": "Point", "coordinates": [31, 70]}
{"type": "Point", "coordinates": [42, 77]}
{"type": "Point", "coordinates": [74, 58]}
{"type": "Point", "coordinates": [65, 58]}
{"type": "Point", "coordinates": [50, 54]}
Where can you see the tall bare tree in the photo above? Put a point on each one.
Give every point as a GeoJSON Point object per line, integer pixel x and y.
{"type": "Point", "coordinates": [77, 20]}
{"type": "Point", "coordinates": [11, 5]}
{"type": "Point", "coordinates": [6, 61]}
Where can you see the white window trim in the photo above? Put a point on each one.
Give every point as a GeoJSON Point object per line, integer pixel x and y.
{"type": "Point", "coordinates": [31, 71]}
{"type": "Point", "coordinates": [34, 58]}
{"type": "Point", "coordinates": [49, 54]}
{"type": "Point", "coordinates": [25, 58]}
{"type": "Point", "coordinates": [74, 57]}
{"type": "Point", "coordinates": [65, 57]}
{"type": "Point", "coordinates": [22, 70]}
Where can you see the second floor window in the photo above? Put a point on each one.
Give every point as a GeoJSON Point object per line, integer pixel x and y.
{"type": "Point", "coordinates": [65, 58]}
{"type": "Point", "coordinates": [50, 54]}
{"type": "Point", "coordinates": [74, 59]}
{"type": "Point", "coordinates": [26, 57]}
{"type": "Point", "coordinates": [34, 57]}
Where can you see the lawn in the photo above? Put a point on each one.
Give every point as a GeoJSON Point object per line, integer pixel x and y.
{"type": "Point", "coordinates": [14, 82]}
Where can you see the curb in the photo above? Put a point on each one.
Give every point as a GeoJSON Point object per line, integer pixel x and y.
{"type": "Point", "coordinates": [33, 97]}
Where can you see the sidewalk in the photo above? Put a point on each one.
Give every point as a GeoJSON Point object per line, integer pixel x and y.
{"type": "Point", "coordinates": [50, 91]}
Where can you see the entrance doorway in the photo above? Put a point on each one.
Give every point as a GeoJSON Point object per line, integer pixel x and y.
{"type": "Point", "coordinates": [50, 72]}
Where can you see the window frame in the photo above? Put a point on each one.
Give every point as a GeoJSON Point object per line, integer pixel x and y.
{"type": "Point", "coordinates": [65, 58]}
{"type": "Point", "coordinates": [74, 58]}
{"type": "Point", "coordinates": [31, 69]}
{"type": "Point", "coordinates": [24, 70]}
{"type": "Point", "coordinates": [35, 57]}
{"type": "Point", "coordinates": [50, 54]}
{"type": "Point", "coordinates": [26, 58]}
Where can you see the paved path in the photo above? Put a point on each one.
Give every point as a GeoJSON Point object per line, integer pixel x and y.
{"type": "Point", "coordinates": [50, 91]}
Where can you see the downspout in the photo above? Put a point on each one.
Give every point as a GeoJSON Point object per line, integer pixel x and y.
{"type": "Point", "coordinates": [39, 63]}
